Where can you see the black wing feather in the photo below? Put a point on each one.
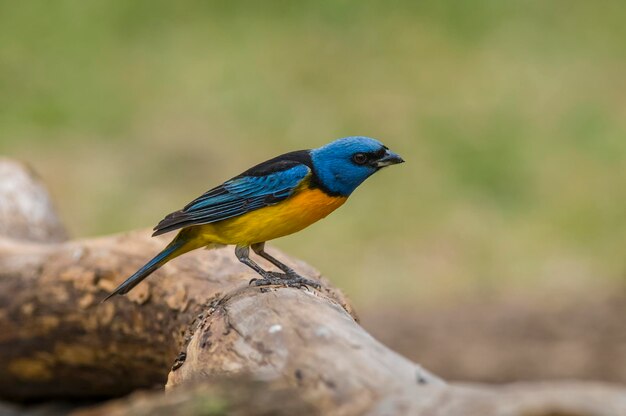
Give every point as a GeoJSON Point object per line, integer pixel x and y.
{"type": "Point", "coordinates": [265, 184]}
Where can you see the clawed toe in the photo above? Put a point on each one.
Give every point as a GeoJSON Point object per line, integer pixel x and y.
{"type": "Point", "coordinates": [302, 282]}
{"type": "Point", "coordinates": [281, 279]}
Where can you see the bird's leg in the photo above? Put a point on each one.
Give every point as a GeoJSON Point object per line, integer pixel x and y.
{"type": "Point", "coordinates": [259, 249]}
{"type": "Point", "coordinates": [243, 255]}
{"type": "Point", "coordinates": [290, 277]}
{"type": "Point", "coordinates": [271, 278]}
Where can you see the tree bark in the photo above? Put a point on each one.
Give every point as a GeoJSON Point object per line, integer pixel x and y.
{"type": "Point", "coordinates": [221, 345]}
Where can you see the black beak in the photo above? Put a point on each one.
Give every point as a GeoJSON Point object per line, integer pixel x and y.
{"type": "Point", "coordinates": [388, 159]}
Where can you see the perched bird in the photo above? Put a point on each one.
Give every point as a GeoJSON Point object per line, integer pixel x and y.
{"type": "Point", "coordinates": [275, 198]}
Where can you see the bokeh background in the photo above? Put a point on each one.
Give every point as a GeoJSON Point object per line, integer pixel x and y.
{"type": "Point", "coordinates": [511, 117]}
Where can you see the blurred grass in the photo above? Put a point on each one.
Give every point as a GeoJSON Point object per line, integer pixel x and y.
{"type": "Point", "coordinates": [511, 116]}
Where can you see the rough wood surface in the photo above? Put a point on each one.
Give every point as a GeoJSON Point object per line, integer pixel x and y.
{"type": "Point", "coordinates": [303, 339]}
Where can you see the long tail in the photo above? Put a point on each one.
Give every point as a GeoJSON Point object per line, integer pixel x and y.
{"type": "Point", "coordinates": [174, 249]}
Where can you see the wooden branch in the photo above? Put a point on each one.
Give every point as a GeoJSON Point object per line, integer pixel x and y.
{"type": "Point", "coordinates": [57, 340]}
{"type": "Point", "coordinates": [302, 338]}
{"type": "Point", "coordinates": [289, 351]}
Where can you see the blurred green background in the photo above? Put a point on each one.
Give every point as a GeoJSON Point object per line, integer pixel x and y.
{"type": "Point", "coordinates": [511, 117]}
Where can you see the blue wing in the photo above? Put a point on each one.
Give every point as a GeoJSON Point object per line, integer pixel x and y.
{"type": "Point", "coordinates": [237, 196]}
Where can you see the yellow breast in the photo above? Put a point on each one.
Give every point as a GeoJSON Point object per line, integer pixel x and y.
{"type": "Point", "coordinates": [302, 209]}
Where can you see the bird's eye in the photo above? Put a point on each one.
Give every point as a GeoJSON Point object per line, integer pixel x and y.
{"type": "Point", "coordinates": [359, 158]}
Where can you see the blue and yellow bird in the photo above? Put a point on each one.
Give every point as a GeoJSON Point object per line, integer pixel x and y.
{"type": "Point", "coordinates": [275, 198]}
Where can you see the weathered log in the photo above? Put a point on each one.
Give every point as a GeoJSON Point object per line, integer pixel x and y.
{"type": "Point", "coordinates": [57, 340]}
{"type": "Point", "coordinates": [303, 339]}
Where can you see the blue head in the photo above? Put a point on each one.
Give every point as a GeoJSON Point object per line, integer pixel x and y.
{"type": "Point", "coordinates": [344, 164]}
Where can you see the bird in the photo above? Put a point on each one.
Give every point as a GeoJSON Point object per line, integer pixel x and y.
{"type": "Point", "coordinates": [278, 197]}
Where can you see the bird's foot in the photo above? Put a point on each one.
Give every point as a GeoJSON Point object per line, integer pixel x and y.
{"type": "Point", "coordinates": [284, 279]}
